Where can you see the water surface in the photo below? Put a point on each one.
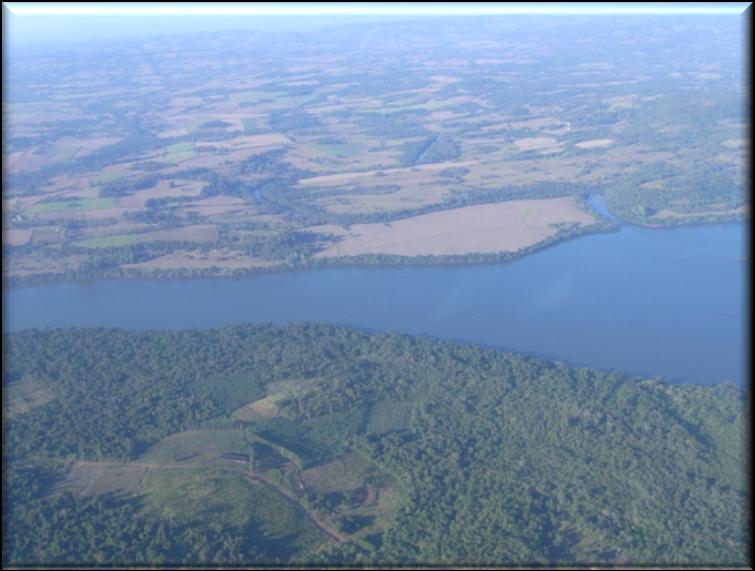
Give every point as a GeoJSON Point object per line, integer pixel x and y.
{"type": "Point", "coordinates": [667, 302]}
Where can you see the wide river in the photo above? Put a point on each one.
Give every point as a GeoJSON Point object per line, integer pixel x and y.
{"type": "Point", "coordinates": [668, 302]}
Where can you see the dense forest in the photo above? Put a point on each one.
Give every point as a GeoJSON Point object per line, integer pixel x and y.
{"type": "Point", "coordinates": [318, 444]}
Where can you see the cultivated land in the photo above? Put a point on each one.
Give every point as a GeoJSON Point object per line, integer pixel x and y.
{"type": "Point", "coordinates": [486, 228]}
{"type": "Point", "coordinates": [266, 136]}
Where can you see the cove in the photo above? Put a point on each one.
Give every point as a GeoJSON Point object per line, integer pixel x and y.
{"type": "Point", "coordinates": [669, 302]}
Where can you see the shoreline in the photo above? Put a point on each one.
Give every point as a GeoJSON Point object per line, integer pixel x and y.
{"type": "Point", "coordinates": [604, 226]}
{"type": "Point", "coordinates": [362, 261]}
{"type": "Point", "coordinates": [554, 361]}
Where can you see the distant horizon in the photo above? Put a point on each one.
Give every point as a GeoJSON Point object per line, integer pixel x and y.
{"type": "Point", "coordinates": [39, 23]}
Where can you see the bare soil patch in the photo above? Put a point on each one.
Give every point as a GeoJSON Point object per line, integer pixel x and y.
{"type": "Point", "coordinates": [16, 236]}
{"type": "Point", "coordinates": [94, 478]}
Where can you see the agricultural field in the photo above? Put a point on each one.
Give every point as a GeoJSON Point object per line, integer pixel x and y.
{"type": "Point", "coordinates": [269, 152]}
{"type": "Point", "coordinates": [504, 227]}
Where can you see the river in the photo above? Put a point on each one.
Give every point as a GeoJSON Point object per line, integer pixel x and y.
{"type": "Point", "coordinates": [669, 302]}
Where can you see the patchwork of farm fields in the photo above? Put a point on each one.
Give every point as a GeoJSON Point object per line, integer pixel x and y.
{"type": "Point", "coordinates": [432, 159]}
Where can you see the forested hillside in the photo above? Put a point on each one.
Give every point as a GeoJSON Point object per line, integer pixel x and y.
{"type": "Point", "coordinates": [318, 444]}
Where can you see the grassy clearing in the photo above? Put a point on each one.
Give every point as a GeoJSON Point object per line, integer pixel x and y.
{"type": "Point", "coordinates": [341, 150]}
{"type": "Point", "coordinates": [21, 396]}
{"type": "Point", "coordinates": [180, 157]}
{"type": "Point", "coordinates": [267, 407]}
{"type": "Point", "coordinates": [345, 473]}
{"type": "Point", "coordinates": [389, 416]}
{"type": "Point", "coordinates": [65, 154]}
{"type": "Point", "coordinates": [257, 410]}
{"type": "Point", "coordinates": [179, 152]}
{"type": "Point", "coordinates": [251, 125]}
{"type": "Point", "coordinates": [180, 147]}
{"type": "Point", "coordinates": [196, 447]}
{"type": "Point", "coordinates": [228, 500]}
{"type": "Point", "coordinates": [78, 205]}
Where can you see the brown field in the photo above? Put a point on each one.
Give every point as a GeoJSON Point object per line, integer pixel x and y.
{"type": "Point", "coordinates": [21, 202]}
{"type": "Point", "coordinates": [17, 236]}
{"type": "Point", "coordinates": [257, 410]}
{"type": "Point", "coordinates": [538, 144]}
{"type": "Point", "coordinates": [38, 263]}
{"type": "Point", "coordinates": [668, 214]}
{"type": "Point", "coordinates": [486, 228]}
{"type": "Point", "coordinates": [195, 260]}
{"type": "Point", "coordinates": [83, 215]}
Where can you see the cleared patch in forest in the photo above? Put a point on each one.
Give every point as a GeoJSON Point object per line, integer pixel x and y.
{"type": "Point", "coordinates": [389, 416]}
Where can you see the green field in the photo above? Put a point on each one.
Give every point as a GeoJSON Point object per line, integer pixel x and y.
{"type": "Point", "coordinates": [65, 154]}
{"type": "Point", "coordinates": [188, 496]}
{"type": "Point", "coordinates": [77, 205]}
{"type": "Point", "coordinates": [251, 125]}
{"type": "Point", "coordinates": [337, 149]}
{"type": "Point", "coordinates": [180, 147]}
{"type": "Point", "coordinates": [179, 152]}
{"type": "Point", "coordinates": [108, 241]}
{"type": "Point", "coordinates": [107, 176]}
